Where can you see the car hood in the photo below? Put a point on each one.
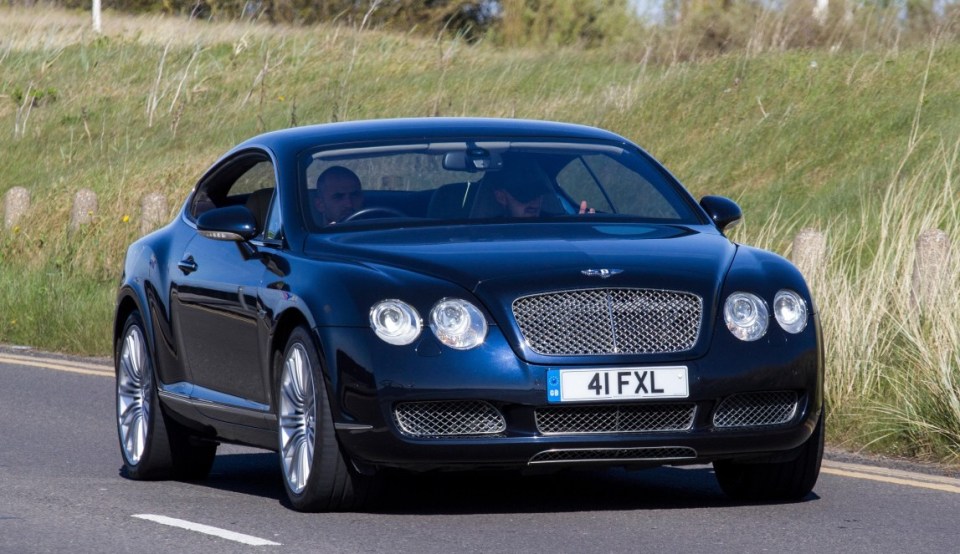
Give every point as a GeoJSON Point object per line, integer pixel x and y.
{"type": "Point", "coordinates": [517, 259]}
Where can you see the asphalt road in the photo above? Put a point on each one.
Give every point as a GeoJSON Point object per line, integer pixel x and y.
{"type": "Point", "coordinates": [61, 490]}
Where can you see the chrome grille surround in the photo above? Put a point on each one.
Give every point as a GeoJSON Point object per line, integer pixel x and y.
{"type": "Point", "coordinates": [614, 419]}
{"type": "Point", "coordinates": [609, 321]}
{"type": "Point", "coordinates": [458, 418]}
{"type": "Point", "coordinates": [590, 455]}
{"type": "Point", "coordinates": [756, 409]}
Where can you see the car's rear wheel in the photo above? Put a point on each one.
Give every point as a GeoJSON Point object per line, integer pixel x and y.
{"type": "Point", "coordinates": [316, 474]}
{"type": "Point", "coordinates": [152, 445]}
{"type": "Point", "coordinates": [774, 481]}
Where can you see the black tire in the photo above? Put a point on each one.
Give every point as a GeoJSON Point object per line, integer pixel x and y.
{"type": "Point", "coordinates": [151, 444]}
{"type": "Point", "coordinates": [331, 482]}
{"type": "Point", "coordinates": [774, 481]}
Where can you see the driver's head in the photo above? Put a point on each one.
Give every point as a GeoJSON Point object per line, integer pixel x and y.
{"type": "Point", "coordinates": [338, 194]}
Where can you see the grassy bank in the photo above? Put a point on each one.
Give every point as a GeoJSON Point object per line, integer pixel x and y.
{"type": "Point", "coordinates": [862, 145]}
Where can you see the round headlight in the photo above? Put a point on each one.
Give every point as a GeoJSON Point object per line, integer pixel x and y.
{"type": "Point", "coordinates": [458, 323]}
{"type": "Point", "coordinates": [395, 321]}
{"type": "Point", "coordinates": [790, 311]}
{"type": "Point", "coordinates": [746, 316]}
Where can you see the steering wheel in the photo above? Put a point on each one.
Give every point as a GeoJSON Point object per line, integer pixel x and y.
{"type": "Point", "coordinates": [377, 211]}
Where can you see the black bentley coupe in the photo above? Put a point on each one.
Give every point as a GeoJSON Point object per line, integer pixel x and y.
{"type": "Point", "coordinates": [461, 294]}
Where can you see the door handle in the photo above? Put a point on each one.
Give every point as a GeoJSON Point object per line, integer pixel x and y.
{"type": "Point", "coordinates": [187, 265]}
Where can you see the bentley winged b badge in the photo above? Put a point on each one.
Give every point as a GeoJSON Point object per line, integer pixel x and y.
{"type": "Point", "coordinates": [601, 273]}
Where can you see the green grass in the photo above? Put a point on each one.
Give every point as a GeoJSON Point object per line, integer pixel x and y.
{"type": "Point", "coordinates": [860, 144]}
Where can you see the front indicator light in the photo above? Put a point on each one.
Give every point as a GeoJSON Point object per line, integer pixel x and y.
{"type": "Point", "coordinates": [746, 316]}
{"type": "Point", "coordinates": [395, 322]}
{"type": "Point", "coordinates": [458, 323]}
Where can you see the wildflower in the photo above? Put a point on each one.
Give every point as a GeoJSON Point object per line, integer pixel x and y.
{"type": "Point", "coordinates": [281, 98]}
{"type": "Point", "coordinates": [126, 219]}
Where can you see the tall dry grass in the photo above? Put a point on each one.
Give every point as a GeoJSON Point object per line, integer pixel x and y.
{"type": "Point", "coordinates": [893, 360]}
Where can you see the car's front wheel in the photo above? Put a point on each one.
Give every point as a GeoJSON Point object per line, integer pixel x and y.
{"type": "Point", "coordinates": [316, 474]}
{"type": "Point", "coordinates": [153, 446]}
{"type": "Point", "coordinates": [774, 481]}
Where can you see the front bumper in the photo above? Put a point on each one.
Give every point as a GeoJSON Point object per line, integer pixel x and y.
{"type": "Point", "coordinates": [370, 381]}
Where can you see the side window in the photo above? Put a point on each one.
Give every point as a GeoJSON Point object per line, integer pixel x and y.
{"type": "Point", "coordinates": [272, 229]}
{"type": "Point", "coordinates": [629, 191]}
{"type": "Point", "coordinates": [575, 179]}
{"type": "Point", "coordinates": [247, 181]}
{"type": "Point", "coordinates": [260, 176]}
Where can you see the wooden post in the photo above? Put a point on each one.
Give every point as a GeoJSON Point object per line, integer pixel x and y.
{"type": "Point", "coordinates": [930, 268]}
{"type": "Point", "coordinates": [809, 252]}
{"type": "Point", "coordinates": [84, 209]}
{"type": "Point", "coordinates": [16, 204]}
{"type": "Point", "coordinates": [153, 212]}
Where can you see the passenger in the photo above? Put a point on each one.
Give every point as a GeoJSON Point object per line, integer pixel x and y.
{"type": "Point", "coordinates": [521, 196]}
{"type": "Point", "coordinates": [338, 196]}
{"type": "Point", "coordinates": [517, 194]}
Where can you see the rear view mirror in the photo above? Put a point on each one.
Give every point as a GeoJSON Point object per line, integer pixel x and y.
{"type": "Point", "coordinates": [472, 160]}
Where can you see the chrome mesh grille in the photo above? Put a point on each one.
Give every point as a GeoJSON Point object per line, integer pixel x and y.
{"type": "Point", "coordinates": [609, 321]}
{"type": "Point", "coordinates": [582, 455]}
{"type": "Point", "coordinates": [614, 419]}
{"type": "Point", "coordinates": [756, 409]}
{"type": "Point", "coordinates": [448, 418]}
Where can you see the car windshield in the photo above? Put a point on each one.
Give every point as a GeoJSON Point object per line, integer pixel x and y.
{"type": "Point", "coordinates": [486, 182]}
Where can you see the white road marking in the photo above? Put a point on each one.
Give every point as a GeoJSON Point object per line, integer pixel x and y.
{"type": "Point", "coordinates": [207, 530]}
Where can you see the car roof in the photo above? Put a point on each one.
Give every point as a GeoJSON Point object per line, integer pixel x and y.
{"type": "Point", "coordinates": [427, 128]}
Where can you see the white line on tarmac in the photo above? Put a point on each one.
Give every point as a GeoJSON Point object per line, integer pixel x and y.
{"type": "Point", "coordinates": [207, 530]}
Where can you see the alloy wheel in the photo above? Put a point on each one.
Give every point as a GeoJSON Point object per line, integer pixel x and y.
{"type": "Point", "coordinates": [134, 387]}
{"type": "Point", "coordinates": [298, 418]}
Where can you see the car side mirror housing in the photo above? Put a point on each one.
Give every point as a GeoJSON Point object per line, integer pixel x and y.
{"type": "Point", "coordinates": [232, 223]}
{"type": "Point", "coordinates": [724, 213]}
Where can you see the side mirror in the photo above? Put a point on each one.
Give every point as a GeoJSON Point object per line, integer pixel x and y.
{"type": "Point", "coordinates": [232, 223]}
{"type": "Point", "coordinates": [724, 213]}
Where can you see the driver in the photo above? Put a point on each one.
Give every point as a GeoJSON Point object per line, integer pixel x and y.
{"type": "Point", "coordinates": [339, 195]}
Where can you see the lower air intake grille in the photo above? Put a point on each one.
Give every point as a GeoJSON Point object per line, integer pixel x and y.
{"type": "Point", "coordinates": [448, 419]}
{"type": "Point", "coordinates": [586, 455]}
{"type": "Point", "coordinates": [615, 419]}
{"type": "Point", "coordinates": [756, 409]}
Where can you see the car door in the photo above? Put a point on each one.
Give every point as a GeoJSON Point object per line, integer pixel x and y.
{"type": "Point", "coordinates": [215, 301]}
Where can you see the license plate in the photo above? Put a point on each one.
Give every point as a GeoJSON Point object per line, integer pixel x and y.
{"type": "Point", "coordinates": [580, 385]}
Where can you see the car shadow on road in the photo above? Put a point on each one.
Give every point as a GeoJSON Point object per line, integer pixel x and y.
{"type": "Point", "coordinates": [492, 492]}
{"type": "Point", "coordinates": [254, 473]}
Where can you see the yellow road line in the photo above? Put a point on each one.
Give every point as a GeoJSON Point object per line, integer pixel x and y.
{"type": "Point", "coordinates": [59, 365]}
{"type": "Point", "coordinates": [892, 476]}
